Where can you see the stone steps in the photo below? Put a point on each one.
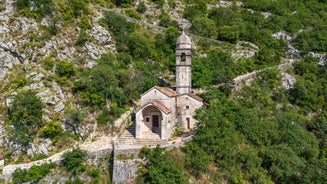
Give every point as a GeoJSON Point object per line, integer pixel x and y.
{"type": "Point", "coordinates": [150, 142]}
{"type": "Point", "coordinates": [128, 137]}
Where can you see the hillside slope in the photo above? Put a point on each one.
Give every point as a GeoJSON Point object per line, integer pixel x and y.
{"type": "Point", "coordinates": [69, 69]}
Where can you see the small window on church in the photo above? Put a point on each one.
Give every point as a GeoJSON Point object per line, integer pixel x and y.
{"type": "Point", "coordinates": [187, 107]}
{"type": "Point", "coordinates": [147, 119]}
{"type": "Point", "coordinates": [183, 57]}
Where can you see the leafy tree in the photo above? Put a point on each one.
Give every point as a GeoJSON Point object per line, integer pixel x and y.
{"type": "Point", "coordinates": [281, 162]}
{"type": "Point", "coordinates": [25, 114]}
{"type": "Point", "coordinates": [160, 167]}
{"type": "Point", "coordinates": [166, 21]}
{"type": "Point", "coordinates": [204, 27]}
{"type": "Point", "coordinates": [72, 160]}
{"type": "Point", "coordinates": [229, 33]}
{"type": "Point", "coordinates": [34, 174]}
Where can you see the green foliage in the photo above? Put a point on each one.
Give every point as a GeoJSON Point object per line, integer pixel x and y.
{"type": "Point", "coordinates": [123, 3]}
{"type": "Point", "coordinates": [158, 2]}
{"type": "Point", "coordinates": [166, 21]}
{"type": "Point", "coordinates": [132, 13]}
{"type": "Point", "coordinates": [94, 172]}
{"type": "Point", "coordinates": [78, 7]}
{"type": "Point", "coordinates": [225, 69]}
{"type": "Point", "coordinates": [159, 168]}
{"type": "Point", "coordinates": [39, 9]}
{"type": "Point", "coordinates": [120, 28]}
{"type": "Point", "coordinates": [34, 174]}
{"type": "Point", "coordinates": [25, 114]}
{"type": "Point", "coordinates": [51, 130]}
{"type": "Point", "coordinates": [319, 127]}
{"type": "Point", "coordinates": [229, 33]}
{"type": "Point", "coordinates": [65, 69]}
{"type": "Point", "coordinates": [72, 160]}
{"type": "Point", "coordinates": [83, 37]}
{"type": "Point", "coordinates": [308, 92]}
{"type": "Point", "coordinates": [141, 8]}
{"type": "Point", "coordinates": [75, 181]}
{"type": "Point", "coordinates": [197, 10]}
{"type": "Point", "coordinates": [203, 26]}
{"type": "Point", "coordinates": [84, 23]}
{"type": "Point", "coordinates": [48, 63]}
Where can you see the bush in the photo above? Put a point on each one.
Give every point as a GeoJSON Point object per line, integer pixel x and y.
{"type": "Point", "coordinates": [72, 161]}
{"type": "Point", "coordinates": [48, 63]}
{"type": "Point", "coordinates": [34, 174]}
{"type": "Point", "coordinates": [65, 69]}
{"type": "Point", "coordinates": [83, 37]}
{"type": "Point", "coordinates": [51, 130]}
{"type": "Point", "coordinates": [141, 8]}
{"type": "Point", "coordinates": [133, 14]}
{"type": "Point", "coordinates": [25, 114]}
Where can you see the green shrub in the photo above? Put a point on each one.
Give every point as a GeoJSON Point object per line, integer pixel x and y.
{"type": "Point", "coordinates": [34, 174]}
{"type": "Point", "coordinates": [51, 130]}
{"type": "Point", "coordinates": [141, 8]}
{"type": "Point", "coordinates": [75, 181]}
{"type": "Point", "coordinates": [133, 14]}
{"type": "Point", "coordinates": [94, 172]}
{"type": "Point", "coordinates": [83, 37]}
{"type": "Point", "coordinates": [25, 114]}
{"type": "Point", "coordinates": [47, 63]}
{"type": "Point", "coordinates": [84, 23]}
{"type": "Point", "coordinates": [72, 160]}
{"type": "Point", "coordinates": [65, 69]}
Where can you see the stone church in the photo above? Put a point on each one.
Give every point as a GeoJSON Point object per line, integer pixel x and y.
{"type": "Point", "coordinates": [162, 108]}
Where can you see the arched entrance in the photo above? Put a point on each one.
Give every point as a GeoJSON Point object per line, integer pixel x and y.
{"type": "Point", "coordinates": [152, 117]}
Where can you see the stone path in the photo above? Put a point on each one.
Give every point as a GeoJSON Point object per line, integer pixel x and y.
{"type": "Point", "coordinates": [103, 143]}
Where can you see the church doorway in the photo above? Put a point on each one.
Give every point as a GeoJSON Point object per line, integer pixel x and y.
{"type": "Point", "coordinates": [188, 123]}
{"type": "Point", "coordinates": [152, 119]}
{"type": "Point", "coordinates": [155, 123]}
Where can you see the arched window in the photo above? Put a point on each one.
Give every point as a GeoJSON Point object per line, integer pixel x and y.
{"type": "Point", "coordinates": [183, 57]}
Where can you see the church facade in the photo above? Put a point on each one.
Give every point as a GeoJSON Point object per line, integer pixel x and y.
{"type": "Point", "coordinates": [162, 108]}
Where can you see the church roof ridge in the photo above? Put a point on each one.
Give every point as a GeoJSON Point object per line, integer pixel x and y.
{"type": "Point", "coordinates": [161, 106]}
{"type": "Point", "coordinates": [165, 90]}
{"type": "Point", "coordinates": [157, 104]}
{"type": "Point", "coordinates": [169, 92]}
{"type": "Point", "coordinates": [196, 97]}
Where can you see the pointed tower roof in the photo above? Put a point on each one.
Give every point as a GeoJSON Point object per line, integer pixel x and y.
{"type": "Point", "coordinates": [183, 42]}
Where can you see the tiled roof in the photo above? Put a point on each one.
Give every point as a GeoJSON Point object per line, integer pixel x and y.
{"type": "Point", "coordinates": [195, 97]}
{"type": "Point", "coordinates": [161, 106]}
{"type": "Point", "coordinates": [167, 91]}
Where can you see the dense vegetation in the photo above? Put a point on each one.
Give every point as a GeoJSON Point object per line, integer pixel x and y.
{"type": "Point", "coordinates": [260, 134]}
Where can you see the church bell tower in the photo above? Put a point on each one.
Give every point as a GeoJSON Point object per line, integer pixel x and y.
{"type": "Point", "coordinates": [183, 64]}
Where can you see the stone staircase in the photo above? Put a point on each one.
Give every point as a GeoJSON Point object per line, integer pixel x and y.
{"type": "Point", "coordinates": [150, 142]}
{"type": "Point", "coordinates": [128, 138]}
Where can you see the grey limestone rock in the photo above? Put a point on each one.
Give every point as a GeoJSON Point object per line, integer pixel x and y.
{"type": "Point", "coordinates": [288, 80]}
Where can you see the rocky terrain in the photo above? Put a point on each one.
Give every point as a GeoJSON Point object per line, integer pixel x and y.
{"type": "Point", "coordinates": [31, 48]}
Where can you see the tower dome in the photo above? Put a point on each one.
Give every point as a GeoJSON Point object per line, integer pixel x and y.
{"type": "Point", "coordinates": [183, 42]}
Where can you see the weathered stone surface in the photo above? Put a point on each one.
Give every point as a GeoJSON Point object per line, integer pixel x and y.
{"type": "Point", "coordinates": [59, 107]}
{"type": "Point", "coordinates": [45, 146]}
{"type": "Point", "coordinates": [244, 50]}
{"type": "Point", "coordinates": [7, 61]}
{"type": "Point", "coordinates": [101, 35]}
{"type": "Point", "coordinates": [288, 80]}
{"type": "Point", "coordinates": [36, 86]}
{"type": "Point", "coordinates": [282, 35]}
